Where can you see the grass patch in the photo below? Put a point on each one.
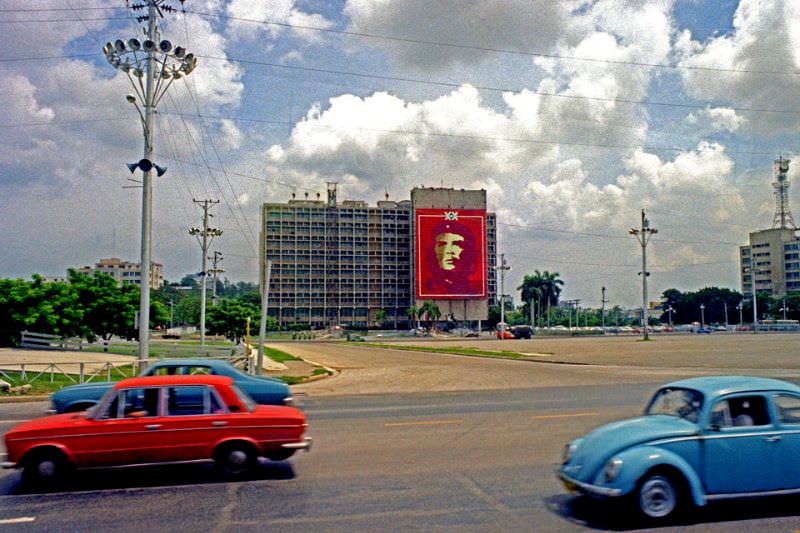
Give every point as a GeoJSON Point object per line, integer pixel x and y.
{"type": "Point", "coordinates": [458, 350]}
{"type": "Point", "coordinates": [279, 356]}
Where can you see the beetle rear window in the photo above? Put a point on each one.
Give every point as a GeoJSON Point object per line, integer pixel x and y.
{"type": "Point", "coordinates": [683, 403]}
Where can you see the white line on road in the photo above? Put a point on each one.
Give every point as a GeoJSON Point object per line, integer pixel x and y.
{"type": "Point", "coordinates": [423, 423]}
{"type": "Point", "coordinates": [20, 520]}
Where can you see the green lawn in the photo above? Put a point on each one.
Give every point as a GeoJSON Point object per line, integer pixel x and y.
{"type": "Point", "coordinates": [459, 350]}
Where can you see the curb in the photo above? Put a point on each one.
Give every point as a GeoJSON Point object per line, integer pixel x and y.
{"type": "Point", "coordinates": [25, 398]}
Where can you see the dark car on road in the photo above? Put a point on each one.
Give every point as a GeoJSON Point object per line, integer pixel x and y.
{"type": "Point", "coordinates": [522, 332]}
{"type": "Point", "coordinates": [264, 390]}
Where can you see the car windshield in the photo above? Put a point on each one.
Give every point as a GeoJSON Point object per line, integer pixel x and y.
{"type": "Point", "coordinates": [683, 403]}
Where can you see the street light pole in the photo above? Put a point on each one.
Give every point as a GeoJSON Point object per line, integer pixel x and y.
{"type": "Point", "coordinates": [703, 316]}
{"type": "Point", "coordinates": [502, 268]}
{"type": "Point", "coordinates": [159, 64]}
{"type": "Point", "coordinates": [643, 235]}
{"type": "Point", "coordinates": [740, 307]}
{"type": "Point", "coordinates": [204, 237]}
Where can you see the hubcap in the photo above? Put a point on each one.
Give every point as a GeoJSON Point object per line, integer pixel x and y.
{"type": "Point", "coordinates": [657, 497]}
{"type": "Point", "coordinates": [46, 469]}
{"type": "Point", "coordinates": [237, 459]}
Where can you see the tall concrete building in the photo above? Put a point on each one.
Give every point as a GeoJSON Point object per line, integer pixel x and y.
{"type": "Point", "coordinates": [770, 263]}
{"type": "Point", "coordinates": [346, 262]}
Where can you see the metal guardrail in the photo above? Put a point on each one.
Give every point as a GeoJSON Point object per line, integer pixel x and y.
{"type": "Point", "coordinates": [76, 372]}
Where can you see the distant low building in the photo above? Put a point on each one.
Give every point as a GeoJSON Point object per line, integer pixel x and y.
{"type": "Point", "coordinates": [126, 273]}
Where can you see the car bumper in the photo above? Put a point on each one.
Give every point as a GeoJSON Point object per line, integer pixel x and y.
{"type": "Point", "coordinates": [8, 464]}
{"type": "Point", "coordinates": [573, 485]}
{"type": "Point", "coordinates": [304, 444]}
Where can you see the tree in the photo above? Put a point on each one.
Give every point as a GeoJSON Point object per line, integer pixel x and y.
{"type": "Point", "coordinates": [380, 316]}
{"type": "Point", "coordinates": [413, 314]}
{"type": "Point", "coordinates": [107, 308]}
{"type": "Point", "coordinates": [686, 305]}
{"type": "Point", "coordinates": [229, 318]}
{"type": "Point", "coordinates": [542, 287]}
{"type": "Point", "coordinates": [430, 311]}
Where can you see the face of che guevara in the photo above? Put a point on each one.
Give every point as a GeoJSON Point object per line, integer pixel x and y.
{"type": "Point", "coordinates": [448, 248]}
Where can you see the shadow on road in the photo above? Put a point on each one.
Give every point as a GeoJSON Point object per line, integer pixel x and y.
{"type": "Point", "coordinates": [615, 516]}
{"type": "Point", "coordinates": [144, 477]}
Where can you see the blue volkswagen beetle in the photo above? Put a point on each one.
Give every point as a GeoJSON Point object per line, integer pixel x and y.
{"type": "Point", "coordinates": [700, 440]}
{"type": "Point", "coordinates": [264, 390]}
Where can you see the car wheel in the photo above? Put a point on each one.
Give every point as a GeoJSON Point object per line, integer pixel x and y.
{"type": "Point", "coordinates": [280, 455]}
{"type": "Point", "coordinates": [658, 497]}
{"type": "Point", "coordinates": [44, 468]}
{"type": "Point", "coordinates": [235, 460]}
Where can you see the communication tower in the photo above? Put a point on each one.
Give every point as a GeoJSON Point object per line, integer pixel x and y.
{"type": "Point", "coordinates": [783, 214]}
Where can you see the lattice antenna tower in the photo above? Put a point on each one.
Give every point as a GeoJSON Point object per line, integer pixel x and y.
{"type": "Point", "coordinates": [783, 214]}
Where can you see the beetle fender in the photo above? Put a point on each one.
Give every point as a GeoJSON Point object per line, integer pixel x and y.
{"type": "Point", "coordinates": [640, 460]}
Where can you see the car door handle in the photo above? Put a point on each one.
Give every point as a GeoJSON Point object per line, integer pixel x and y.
{"type": "Point", "coordinates": [152, 426]}
{"type": "Point", "coordinates": [219, 423]}
{"type": "Point", "coordinates": [774, 438]}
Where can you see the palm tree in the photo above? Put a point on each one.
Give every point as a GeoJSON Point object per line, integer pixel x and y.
{"type": "Point", "coordinates": [413, 314]}
{"type": "Point", "coordinates": [542, 286]}
{"type": "Point", "coordinates": [431, 311]}
{"type": "Point", "coordinates": [531, 292]}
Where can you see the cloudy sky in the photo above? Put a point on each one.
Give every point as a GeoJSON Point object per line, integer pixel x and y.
{"type": "Point", "coordinates": [573, 115]}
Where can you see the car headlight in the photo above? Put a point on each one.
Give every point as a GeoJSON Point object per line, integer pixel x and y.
{"type": "Point", "coordinates": [612, 469]}
{"type": "Point", "coordinates": [569, 450]}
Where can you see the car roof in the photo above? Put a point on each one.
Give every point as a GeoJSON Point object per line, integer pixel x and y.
{"type": "Point", "coordinates": [712, 386]}
{"type": "Point", "coordinates": [150, 381]}
{"type": "Point", "coordinates": [192, 362]}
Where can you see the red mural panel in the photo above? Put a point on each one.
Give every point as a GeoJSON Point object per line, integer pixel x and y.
{"type": "Point", "coordinates": [451, 254]}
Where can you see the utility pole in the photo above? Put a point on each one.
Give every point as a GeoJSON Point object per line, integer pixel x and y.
{"type": "Point", "coordinates": [643, 235]}
{"type": "Point", "coordinates": [159, 64]}
{"type": "Point", "coordinates": [502, 268]}
{"type": "Point", "coordinates": [262, 325]}
{"type": "Point", "coordinates": [217, 258]}
{"type": "Point", "coordinates": [603, 303]}
{"type": "Point", "coordinates": [204, 237]}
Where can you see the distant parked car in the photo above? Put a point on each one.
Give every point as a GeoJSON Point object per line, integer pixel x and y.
{"type": "Point", "coordinates": [264, 390]}
{"type": "Point", "coordinates": [704, 330]}
{"type": "Point", "coordinates": [700, 440]}
{"type": "Point", "coordinates": [161, 419]}
{"type": "Point", "coordinates": [522, 332]}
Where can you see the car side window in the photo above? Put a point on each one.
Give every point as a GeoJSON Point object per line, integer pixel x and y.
{"type": "Point", "coordinates": [740, 411]}
{"type": "Point", "coordinates": [788, 407]}
{"type": "Point", "coordinates": [191, 400]}
{"type": "Point", "coordinates": [140, 402]}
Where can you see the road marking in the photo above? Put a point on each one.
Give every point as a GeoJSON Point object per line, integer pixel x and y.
{"type": "Point", "coordinates": [567, 415]}
{"type": "Point", "coordinates": [20, 520]}
{"type": "Point", "coordinates": [422, 423]}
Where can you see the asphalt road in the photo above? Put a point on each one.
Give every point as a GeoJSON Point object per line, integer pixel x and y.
{"type": "Point", "coordinates": [472, 448]}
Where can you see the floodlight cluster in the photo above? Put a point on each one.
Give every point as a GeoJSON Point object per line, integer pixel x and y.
{"type": "Point", "coordinates": [130, 57]}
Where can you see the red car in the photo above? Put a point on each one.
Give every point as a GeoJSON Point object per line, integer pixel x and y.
{"type": "Point", "coordinates": [159, 419]}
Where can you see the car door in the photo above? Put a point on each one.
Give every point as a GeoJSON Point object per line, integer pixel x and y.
{"type": "Point", "coordinates": [122, 431]}
{"type": "Point", "coordinates": [740, 448]}
{"type": "Point", "coordinates": [195, 419]}
{"type": "Point", "coordinates": [787, 412]}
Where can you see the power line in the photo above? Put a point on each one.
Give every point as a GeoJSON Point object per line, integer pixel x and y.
{"type": "Point", "coordinates": [488, 88]}
{"type": "Point", "coordinates": [489, 49]}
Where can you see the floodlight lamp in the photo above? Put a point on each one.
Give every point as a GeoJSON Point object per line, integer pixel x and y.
{"type": "Point", "coordinates": [134, 44]}
{"type": "Point", "coordinates": [119, 45]}
{"type": "Point", "coordinates": [125, 67]}
{"type": "Point", "coordinates": [165, 46]}
{"type": "Point", "coordinates": [149, 45]}
{"type": "Point", "coordinates": [166, 74]}
{"type": "Point", "coordinates": [138, 72]}
{"type": "Point", "coordinates": [176, 74]}
{"type": "Point", "coordinates": [130, 98]}
{"type": "Point", "coordinates": [180, 52]}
